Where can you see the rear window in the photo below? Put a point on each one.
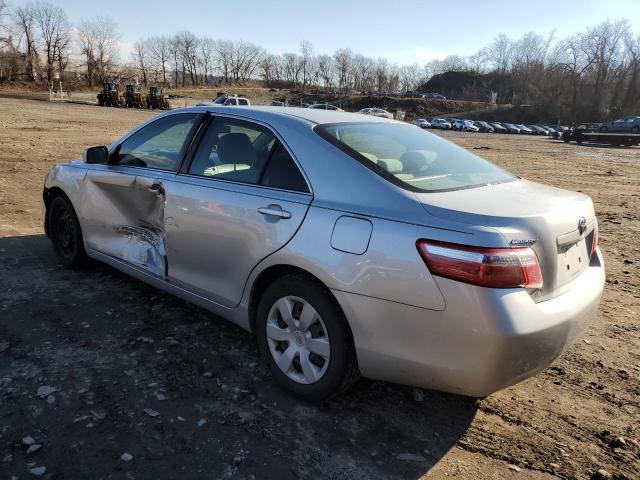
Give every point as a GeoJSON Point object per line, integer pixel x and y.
{"type": "Point", "coordinates": [412, 158]}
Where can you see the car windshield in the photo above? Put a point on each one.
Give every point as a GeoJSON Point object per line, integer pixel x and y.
{"type": "Point", "coordinates": [412, 158]}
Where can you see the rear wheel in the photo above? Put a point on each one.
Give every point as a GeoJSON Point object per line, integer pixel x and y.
{"type": "Point", "coordinates": [65, 233]}
{"type": "Point", "coordinates": [304, 337]}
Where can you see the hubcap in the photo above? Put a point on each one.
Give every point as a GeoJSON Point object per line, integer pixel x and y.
{"type": "Point", "coordinates": [298, 340]}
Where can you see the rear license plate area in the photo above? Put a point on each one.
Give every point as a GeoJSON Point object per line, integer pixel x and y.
{"type": "Point", "coordinates": [572, 261]}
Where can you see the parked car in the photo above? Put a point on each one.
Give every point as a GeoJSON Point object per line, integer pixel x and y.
{"type": "Point", "coordinates": [231, 100]}
{"type": "Point", "coordinates": [239, 211]}
{"type": "Point", "coordinates": [440, 123]}
{"type": "Point", "coordinates": [511, 128]}
{"type": "Point", "coordinates": [464, 126]}
{"type": "Point", "coordinates": [524, 129]}
{"type": "Point", "coordinates": [422, 123]}
{"type": "Point", "coordinates": [575, 132]}
{"type": "Point", "coordinates": [498, 128]}
{"type": "Point", "coordinates": [484, 126]}
{"type": "Point", "coordinates": [622, 125]}
{"type": "Point", "coordinates": [376, 112]}
{"type": "Point", "coordinates": [435, 96]}
{"type": "Point", "coordinates": [536, 130]}
{"type": "Point", "coordinates": [325, 106]}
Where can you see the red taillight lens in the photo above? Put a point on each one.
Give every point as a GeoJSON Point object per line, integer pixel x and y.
{"type": "Point", "coordinates": [487, 267]}
{"type": "Point", "coordinates": [594, 240]}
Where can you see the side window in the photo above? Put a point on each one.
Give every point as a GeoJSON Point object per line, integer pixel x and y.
{"type": "Point", "coordinates": [245, 152]}
{"type": "Point", "coordinates": [233, 150]}
{"type": "Point", "coordinates": [159, 144]}
{"type": "Point", "coordinates": [242, 101]}
{"type": "Point", "coordinates": [282, 172]}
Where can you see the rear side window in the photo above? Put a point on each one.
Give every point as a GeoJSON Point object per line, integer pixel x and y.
{"type": "Point", "coordinates": [412, 158]}
{"type": "Point", "coordinates": [282, 172]}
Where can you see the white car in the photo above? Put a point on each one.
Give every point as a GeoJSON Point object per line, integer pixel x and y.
{"type": "Point", "coordinates": [464, 126]}
{"type": "Point", "coordinates": [325, 106]}
{"type": "Point", "coordinates": [226, 100]}
{"type": "Point", "coordinates": [422, 123]}
{"type": "Point", "coordinates": [440, 123]}
{"type": "Point", "coordinates": [376, 112]}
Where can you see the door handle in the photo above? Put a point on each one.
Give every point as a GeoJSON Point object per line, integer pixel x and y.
{"type": "Point", "coordinates": [156, 187]}
{"type": "Point", "coordinates": [274, 211]}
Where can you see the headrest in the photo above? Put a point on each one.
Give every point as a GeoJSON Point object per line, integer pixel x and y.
{"type": "Point", "coordinates": [236, 148]}
{"type": "Point", "coordinates": [391, 165]}
{"type": "Point", "coordinates": [413, 162]}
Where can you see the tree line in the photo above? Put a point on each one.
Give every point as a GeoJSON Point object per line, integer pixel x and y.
{"type": "Point", "coordinates": [593, 72]}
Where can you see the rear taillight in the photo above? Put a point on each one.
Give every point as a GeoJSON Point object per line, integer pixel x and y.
{"type": "Point", "coordinates": [487, 267]}
{"type": "Point", "coordinates": [594, 240]}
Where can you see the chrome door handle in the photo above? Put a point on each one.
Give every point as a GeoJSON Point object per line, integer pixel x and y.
{"type": "Point", "coordinates": [274, 211]}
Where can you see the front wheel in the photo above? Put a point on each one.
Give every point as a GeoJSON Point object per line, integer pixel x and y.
{"type": "Point", "coordinates": [304, 337]}
{"type": "Point", "coordinates": [65, 233]}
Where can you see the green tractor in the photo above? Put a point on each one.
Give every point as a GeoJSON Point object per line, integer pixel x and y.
{"type": "Point", "coordinates": [133, 97]}
{"type": "Point", "coordinates": [110, 95]}
{"type": "Point", "coordinates": [157, 99]}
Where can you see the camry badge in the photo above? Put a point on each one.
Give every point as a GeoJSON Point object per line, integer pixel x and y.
{"type": "Point", "coordinates": [518, 242]}
{"type": "Point", "coordinates": [582, 225]}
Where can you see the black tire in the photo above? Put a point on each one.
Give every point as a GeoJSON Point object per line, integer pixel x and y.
{"type": "Point", "coordinates": [603, 129]}
{"type": "Point", "coordinates": [65, 233]}
{"type": "Point", "coordinates": [635, 130]}
{"type": "Point", "coordinates": [342, 371]}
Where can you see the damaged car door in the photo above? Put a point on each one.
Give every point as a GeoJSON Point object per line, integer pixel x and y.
{"type": "Point", "coordinates": [123, 201]}
{"type": "Point", "coordinates": [238, 198]}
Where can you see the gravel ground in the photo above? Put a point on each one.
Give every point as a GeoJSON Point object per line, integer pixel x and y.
{"type": "Point", "coordinates": [102, 376]}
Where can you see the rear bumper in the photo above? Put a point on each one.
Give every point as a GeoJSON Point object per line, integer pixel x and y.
{"type": "Point", "coordinates": [483, 341]}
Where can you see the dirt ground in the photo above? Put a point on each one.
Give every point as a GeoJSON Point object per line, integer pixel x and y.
{"type": "Point", "coordinates": [185, 394]}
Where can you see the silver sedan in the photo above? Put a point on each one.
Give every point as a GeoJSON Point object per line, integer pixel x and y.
{"type": "Point", "coordinates": [348, 245]}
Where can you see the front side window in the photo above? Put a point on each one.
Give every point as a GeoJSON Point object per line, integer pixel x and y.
{"type": "Point", "coordinates": [245, 152]}
{"type": "Point", "coordinates": [412, 158]}
{"type": "Point", "coordinates": [159, 144]}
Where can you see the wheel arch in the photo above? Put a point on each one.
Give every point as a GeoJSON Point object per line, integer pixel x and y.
{"type": "Point", "coordinates": [273, 273]}
{"type": "Point", "coordinates": [48, 194]}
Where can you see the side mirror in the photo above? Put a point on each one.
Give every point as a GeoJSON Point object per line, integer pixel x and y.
{"type": "Point", "coordinates": [96, 155]}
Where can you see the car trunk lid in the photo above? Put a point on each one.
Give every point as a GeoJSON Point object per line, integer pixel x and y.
{"type": "Point", "coordinates": [527, 214]}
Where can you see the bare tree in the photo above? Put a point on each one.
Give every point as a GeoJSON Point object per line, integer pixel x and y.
{"type": "Point", "coordinates": [381, 71]}
{"type": "Point", "coordinates": [25, 22]}
{"type": "Point", "coordinates": [343, 59]}
{"type": "Point", "coordinates": [98, 40]}
{"type": "Point", "coordinates": [4, 28]}
{"type": "Point", "coordinates": [159, 49]}
{"type": "Point", "coordinates": [188, 43]}
{"type": "Point", "coordinates": [141, 59]}
{"type": "Point", "coordinates": [206, 52]}
{"type": "Point", "coordinates": [55, 37]}
{"type": "Point", "coordinates": [325, 70]}
{"type": "Point", "coordinates": [306, 55]}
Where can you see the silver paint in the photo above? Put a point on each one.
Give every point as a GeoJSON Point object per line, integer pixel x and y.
{"type": "Point", "coordinates": [217, 237]}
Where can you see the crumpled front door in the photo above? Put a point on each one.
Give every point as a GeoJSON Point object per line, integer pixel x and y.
{"type": "Point", "coordinates": [123, 216]}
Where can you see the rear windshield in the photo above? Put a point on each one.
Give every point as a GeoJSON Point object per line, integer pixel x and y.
{"type": "Point", "coordinates": [412, 158]}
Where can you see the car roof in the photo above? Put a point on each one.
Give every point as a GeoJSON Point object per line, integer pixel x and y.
{"type": "Point", "coordinates": [311, 115]}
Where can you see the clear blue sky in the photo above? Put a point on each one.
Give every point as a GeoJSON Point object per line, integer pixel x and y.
{"type": "Point", "coordinates": [405, 31]}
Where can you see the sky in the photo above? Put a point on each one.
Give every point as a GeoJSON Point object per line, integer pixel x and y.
{"type": "Point", "coordinates": [404, 31]}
